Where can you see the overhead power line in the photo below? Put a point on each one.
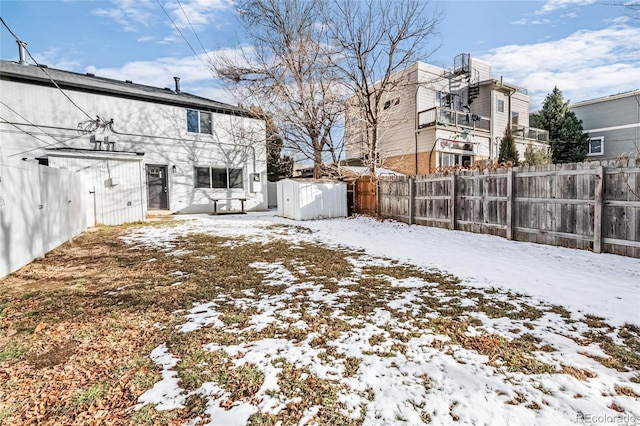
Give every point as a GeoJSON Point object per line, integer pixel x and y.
{"type": "Point", "coordinates": [185, 38]}
{"type": "Point", "coordinates": [204, 50]}
{"type": "Point", "coordinates": [43, 69]}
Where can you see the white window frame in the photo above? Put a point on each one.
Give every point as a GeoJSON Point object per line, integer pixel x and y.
{"type": "Point", "coordinates": [201, 115]}
{"type": "Point", "coordinates": [500, 105]}
{"type": "Point", "coordinates": [227, 180]}
{"type": "Point", "coordinates": [601, 140]}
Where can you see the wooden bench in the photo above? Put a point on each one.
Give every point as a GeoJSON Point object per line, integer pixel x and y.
{"type": "Point", "coordinates": [215, 206]}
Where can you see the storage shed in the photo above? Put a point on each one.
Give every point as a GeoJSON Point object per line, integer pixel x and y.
{"type": "Point", "coordinates": [309, 199]}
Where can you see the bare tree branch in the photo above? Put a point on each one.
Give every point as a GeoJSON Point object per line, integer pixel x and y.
{"type": "Point", "coordinates": [376, 39]}
{"type": "Point", "coordinates": [289, 73]}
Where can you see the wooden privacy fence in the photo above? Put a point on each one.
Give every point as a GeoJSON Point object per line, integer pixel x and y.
{"type": "Point", "coordinates": [364, 195]}
{"type": "Point", "coordinates": [592, 206]}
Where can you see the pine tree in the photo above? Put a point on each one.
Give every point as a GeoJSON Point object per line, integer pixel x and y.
{"type": "Point", "coordinates": [567, 139]}
{"type": "Point", "coordinates": [278, 166]}
{"type": "Point", "coordinates": [508, 151]}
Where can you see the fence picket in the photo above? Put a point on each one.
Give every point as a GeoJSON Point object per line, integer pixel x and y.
{"type": "Point", "coordinates": [586, 205]}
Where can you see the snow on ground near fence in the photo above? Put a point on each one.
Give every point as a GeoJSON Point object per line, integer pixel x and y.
{"type": "Point", "coordinates": [604, 285]}
{"type": "Point", "coordinates": [424, 380]}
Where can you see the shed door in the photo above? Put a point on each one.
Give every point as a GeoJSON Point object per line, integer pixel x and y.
{"type": "Point", "coordinates": [157, 193]}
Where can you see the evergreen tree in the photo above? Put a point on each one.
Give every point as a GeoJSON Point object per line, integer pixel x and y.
{"type": "Point", "coordinates": [508, 151]}
{"type": "Point", "coordinates": [278, 166]}
{"type": "Point", "coordinates": [567, 139]}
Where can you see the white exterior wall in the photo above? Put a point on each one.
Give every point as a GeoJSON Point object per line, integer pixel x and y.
{"type": "Point", "coordinates": [236, 142]}
{"type": "Point", "coordinates": [114, 187]}
{"type": "Point", "coordinates": [40, 208]}
{"type": "Point", "coordinates": [307, 199]}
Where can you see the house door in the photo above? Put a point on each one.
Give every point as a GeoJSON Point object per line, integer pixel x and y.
{"type": "Point", "coordinates": [157, 192]}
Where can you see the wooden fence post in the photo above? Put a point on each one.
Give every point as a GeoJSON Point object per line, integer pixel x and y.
{"type": "Point", "coordinates": [452, 202]}
{"type": "Point", "coordinates": [412, 194]}
{"type": "Point", "coordinates": [378, 197]}
{"type": "Point", "coordinates": [597, 210]}
{"type": "Point", "coordinates": [510, 201]}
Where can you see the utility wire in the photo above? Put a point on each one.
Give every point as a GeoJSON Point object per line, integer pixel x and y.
{"type": "Point", "coordinates": [183, 36]}
{"type": "Point", "coordinates": [24, 131]}
{"type": "Point", "coordinates": [193, 29]}
{"type": "Point", "coordinates": [43, 69]}
{"type": "Point", "coordinates": [53, 145]}
{"type": "Point", "coordinates": [31, 123]}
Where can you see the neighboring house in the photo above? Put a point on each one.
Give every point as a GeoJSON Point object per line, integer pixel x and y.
{"type": "Point", "coordinates": [151, 149]}
{"type": "Point", "coordinates": [434, 117]}
{"type": "Point", "coordinates": [613, 124]}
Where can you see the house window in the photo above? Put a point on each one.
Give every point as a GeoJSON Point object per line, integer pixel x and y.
{"type": "Point", "coordinates": [596, 146]}
{"type": "Point", "coordinates": [198, 121]}
{"type": "Point", "coordinates": [500, 105]}
{"type": "Point", "coordinates": [392, 102]}
{"type": "Point", "coordinates": [448, 160]}
{"type": "Point", "coordinates": [514, 118]}
{"type": "Point", "coordinates": [218, 177]}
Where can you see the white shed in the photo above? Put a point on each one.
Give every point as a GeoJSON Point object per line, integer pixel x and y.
{"type": "Point", "coordinates": [308, 199]}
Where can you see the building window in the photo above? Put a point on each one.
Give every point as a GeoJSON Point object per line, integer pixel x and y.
{"type": "Point", "coordinates": [446, 159]}
{"type": "Point", "coordinates": [596, 146]}
{"type": "Point", "coordinates": [218, 177]}
{"type": "Point", "coordinates": [198, 121]}
{"type": "Point", "coordinates": [500, 105]}
{"type": "Point", "coordinates": [514, 118]}
{"type": "Point", "coordinates": [392, 102]}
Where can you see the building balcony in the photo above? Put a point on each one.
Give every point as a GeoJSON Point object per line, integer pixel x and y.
{"type": "Point", "coordinates": [437, 116]}
{"type": "Point", "coordinates": [531, 133]}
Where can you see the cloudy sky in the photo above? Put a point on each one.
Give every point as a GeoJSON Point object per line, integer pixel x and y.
{"type": "Point", "coordinates": [587, 48]}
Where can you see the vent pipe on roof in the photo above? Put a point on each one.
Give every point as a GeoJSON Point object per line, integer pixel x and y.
{"type": "Point", "coordinates": [177, 79]}
{"type": "Point", "coordinates": [22, 51]}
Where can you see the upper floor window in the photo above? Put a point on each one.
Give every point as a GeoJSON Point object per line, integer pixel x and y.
{"type": "Point", "coordinates": [198, 121]}
{"type": "Point", "coordinates": [391, 102]}
{"type": "Point", "coordinates": [514, 117]}
{"type": "Point", "coordinates": [500, 105]}
{"type": "Point", "coordinates": [596, 146]}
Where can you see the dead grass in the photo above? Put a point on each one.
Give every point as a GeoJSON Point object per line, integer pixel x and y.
{"type": "Point", "coordinates": [77, 327]}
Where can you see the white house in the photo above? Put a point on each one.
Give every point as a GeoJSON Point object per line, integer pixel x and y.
{"type": "Point", "coordinates": [433, 117]}
{"type": "Point", "coordinates": [139, 148]}
{"type": "Point", "coordinates": [613, 124]}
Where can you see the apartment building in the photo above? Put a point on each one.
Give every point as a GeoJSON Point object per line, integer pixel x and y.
{"type": "Point", "coordinates": [433, 117]}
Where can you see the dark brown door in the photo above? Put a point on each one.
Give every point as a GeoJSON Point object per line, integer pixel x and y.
{"type": "Point", "coordinates": [157, 193]}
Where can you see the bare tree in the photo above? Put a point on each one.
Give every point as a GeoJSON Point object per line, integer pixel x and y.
{"type": "Point", "coordinates": [289, 73]}
{"type": "Point", "coordinates": [375, 39]}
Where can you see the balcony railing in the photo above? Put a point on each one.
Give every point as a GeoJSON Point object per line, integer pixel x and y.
{"type": "Point", "coordinates": [530, 133]}
{"type": "Point", "coordinates": [449, 117]}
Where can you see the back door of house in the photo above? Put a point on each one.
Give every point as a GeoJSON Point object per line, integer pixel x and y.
{"type": "Point", "coordinates": [157, 191]}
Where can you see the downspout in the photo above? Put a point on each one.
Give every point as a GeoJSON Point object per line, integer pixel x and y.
{"type": "Point", "coordinates": [415, 130]}
{"type": "Point", "coordinates": [492, 115]}
{"type": "Point", "coordinates": [431, 152]}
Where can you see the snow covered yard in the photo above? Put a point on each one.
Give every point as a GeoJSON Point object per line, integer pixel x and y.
{"type": "Point", "coordinates": [355, 321]}
{"type": "Point", "coordinates": [259, 320]}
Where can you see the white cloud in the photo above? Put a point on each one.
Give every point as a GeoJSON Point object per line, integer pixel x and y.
{"type": "Point", "coordinates": [552, 5]}
{"type": "Point", "coordinates": [130, 14]}
{"type": "Point", "coordinates": [522, 21]}
{"type": "Point", "coordinates": [159, 72]}
{"type": "Point", "coordinates": [195, 78]}
{"type": "Point", "coordinates": [540, 21]}
{"type": "Point", "coordinates": [585, 65]}
{"type": "Point", "coordinates": [198, 13]}
{"type": "Point", "coordinates": [619, 20]}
